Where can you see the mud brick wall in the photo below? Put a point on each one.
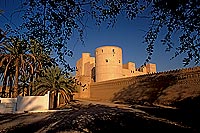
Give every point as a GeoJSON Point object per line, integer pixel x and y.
{"type": "Point", "coordinates": [161, 87]}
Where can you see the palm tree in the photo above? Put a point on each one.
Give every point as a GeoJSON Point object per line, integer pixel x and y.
{"type": "Point", "coordinates": [15, 54]}
{"type": "Point", "coordinates": [55, 81]}
{"type": "Point", "coordinates": [21, 61]}
{"type": "Point", "coordinates": [42, 60]}
{"type": "Point", "coordinates": [4, 80]}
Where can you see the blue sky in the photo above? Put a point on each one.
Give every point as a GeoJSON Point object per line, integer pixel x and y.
{"type": "Point", "coordinates": [126, 34]}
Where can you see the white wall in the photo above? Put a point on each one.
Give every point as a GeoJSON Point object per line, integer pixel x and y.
{"type": "Point", "coordinates": [32, 103]}
{"type": "Point", "coordinates": [8, 105]}
{"type": "Point", "coordinates": [22, 104]}
{"type": "Point", "coordinates": [8, 100]}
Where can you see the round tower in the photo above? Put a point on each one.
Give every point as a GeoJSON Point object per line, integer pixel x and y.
{"type": "Point", "coordinates": [108, 63]}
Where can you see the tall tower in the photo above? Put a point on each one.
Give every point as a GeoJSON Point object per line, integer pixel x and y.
{"type": "Point", "coordinates": [108, 63]}
{"type": "Point", "coordinates": [84, 67]}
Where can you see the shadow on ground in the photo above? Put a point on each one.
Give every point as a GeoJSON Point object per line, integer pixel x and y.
{"type": "Point", "coordinates": [99, 119]}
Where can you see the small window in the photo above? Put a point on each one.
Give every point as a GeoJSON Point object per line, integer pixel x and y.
{"type": "Point", "coordinates": [102, 50]}
{"type": "Point", "coordinates": [106, 60]}
{"type": "Point", "coordinates": [113, 51]}
{"type": "Point", "coordinates": [119, 61]}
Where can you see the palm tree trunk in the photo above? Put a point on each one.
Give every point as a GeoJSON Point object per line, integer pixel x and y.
{"type": "Point", "coordinates": [4, 86]}
{"type": "Point", "coordinates": [55, 99]}
{"type": "Point", "coordinates": [31, 85]}
{"type": "Point", "coordinates": [15, 90]}
{"type": "Point", "coordinates": [10, 84]}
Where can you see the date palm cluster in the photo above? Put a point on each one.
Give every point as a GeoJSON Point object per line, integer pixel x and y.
{"type": "Point", "coordinates": [26, 69]}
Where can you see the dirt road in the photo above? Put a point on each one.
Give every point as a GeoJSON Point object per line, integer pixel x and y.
{"type": "Point", "coordinates": [89, 116]}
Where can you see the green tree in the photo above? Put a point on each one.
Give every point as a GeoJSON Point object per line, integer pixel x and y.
{"type": "Point", "coordinates": [54, 80]}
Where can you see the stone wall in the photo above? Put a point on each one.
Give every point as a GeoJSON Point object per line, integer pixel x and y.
{"type": "Point", "coordinates": [157, 88]}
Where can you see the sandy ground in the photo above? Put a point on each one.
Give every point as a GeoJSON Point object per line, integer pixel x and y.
{"type": "Point", "coordinates": [93, 117]}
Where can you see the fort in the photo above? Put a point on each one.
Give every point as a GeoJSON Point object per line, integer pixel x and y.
{"type": "Point", "coordinates": [107, 65]}
{"type": "Point", "coordinates": [107, 79]}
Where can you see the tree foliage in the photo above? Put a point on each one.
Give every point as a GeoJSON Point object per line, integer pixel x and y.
{"type": "Point", "coordinates": [53, 22]}
{"type": "Point", "coordinates": [20, 62]}
{"type": "Point", "coordinates": [14, 59]}
{"type": "Point", "coordinates": [174, 17]}
{"type": "Point", "coordinates": [177, 17]}
{"type": "Point", "coordinates": [53, 79]}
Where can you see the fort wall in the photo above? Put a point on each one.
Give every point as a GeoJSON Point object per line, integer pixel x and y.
{"type": "Point", "coordinates": [185, 81]}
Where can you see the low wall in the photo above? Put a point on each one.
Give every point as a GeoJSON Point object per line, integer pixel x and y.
{"type": "Point", "coordinates": [8, 100]}
{"type": "Point", "coordinates": [33, 103]}
{"type": "Point", "coordinates": [27, 103]}
{"type": "Point", "coordinates": [8, 105]}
